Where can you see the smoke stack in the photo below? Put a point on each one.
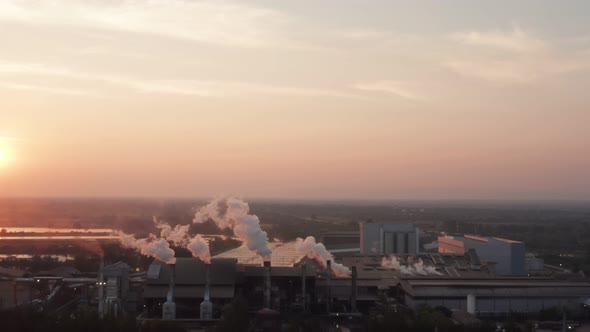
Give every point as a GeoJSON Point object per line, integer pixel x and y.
{"type": "Point", "coordinates": [471, 303]}
{"type": "Point", "coordinates": [267, 284]}
{"type": "Point", "coordinates": [206, 305]}
{"type": "Point", "coordinates": [303, 291]}
{"type": "Point", "coordinates": [169, 307]}
{"type": "Point", "coordinates": [329, 286]}
{"type": "Point", "coordinates": [101, 288]}
{"type": "Point", "coordinates": [354, 290]}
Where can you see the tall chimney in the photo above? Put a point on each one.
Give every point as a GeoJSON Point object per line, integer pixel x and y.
{"type": "Point", "coordinates": [206, 305]}
{"type": "Point", "coordinates": [329, 286]}
{"type": "Point", "coordinates": [267, 284]}
{"type": "Point", "coordinates": [303, 291]}
{"type": "Point", "coordinates": [354, 290]}
{"type": "Point", "coordinates": [169, 307]}
{"type": "Point", "coordinates": [101, 289]}
{"type": "Point", "coordinates": [471, 303]}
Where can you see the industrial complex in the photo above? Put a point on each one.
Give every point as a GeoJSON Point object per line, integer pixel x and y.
{"type": "Point", "coordinates": [475, 275]}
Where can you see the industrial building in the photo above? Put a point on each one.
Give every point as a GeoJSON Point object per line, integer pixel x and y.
{"type": "Point", "coordinates": [189, 285]}
{"type": "Point", "coordinates": [458, 282]}
{"type": "Point", "coordinates": [469, 274]}
{"type": "Point", "coordinates": [508, 255]}
{"type": "Point", "coordinates": [389, 239]}
{"type": "Point", "coordinates": [494, 295]}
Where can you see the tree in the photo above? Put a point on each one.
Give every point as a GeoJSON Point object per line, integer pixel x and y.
{"type": "Point", "coordinates": [428, 318]}
{"type": "Point", "coordinates": [234, 317]}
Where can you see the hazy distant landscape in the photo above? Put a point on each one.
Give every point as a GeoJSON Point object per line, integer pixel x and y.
{"type": "Point", "coordinates": [264, 166]}
{"type": "Point", "coordinates": [546, 227]}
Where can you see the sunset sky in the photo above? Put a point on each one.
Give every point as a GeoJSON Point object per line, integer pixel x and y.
{"type": "Point", "coordinates": [303, 99]}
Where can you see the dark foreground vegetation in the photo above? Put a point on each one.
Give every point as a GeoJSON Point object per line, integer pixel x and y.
{"type": "Point", "coordinates": [237, 318]}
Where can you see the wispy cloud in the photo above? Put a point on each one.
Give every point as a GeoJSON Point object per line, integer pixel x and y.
{"type": "Point", "coordinates": [517, 40]}
{"type": "Point", "coordinates": [399, 89]}
{"type": "Point", "coordinates": [215, 22]}
{"type": "Point", "coordinates": [45, 89]}
{"type": "Point", "coordinates": [513, 57]}
{"type": "Point", "coordinates": [186, 87]}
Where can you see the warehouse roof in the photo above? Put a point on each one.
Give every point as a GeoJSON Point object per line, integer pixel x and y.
{"type": "Point", "coordinates": [497, 287]}
{"type": "Point", "coordinates": [283, 254]}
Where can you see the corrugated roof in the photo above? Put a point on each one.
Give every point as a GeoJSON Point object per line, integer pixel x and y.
{"type": "Point", "coordinates": [506, 240]}
{"type": "Point", "coordinates": [524, 282]}
{"type": "Point", "coordinates": [283, 254]}
{"type": "Point", "coordinates": [500, 291]}
{"type": "Point", "coordinates": [476, 238]}
{"type": "Point", "coordinates": [498, 287]}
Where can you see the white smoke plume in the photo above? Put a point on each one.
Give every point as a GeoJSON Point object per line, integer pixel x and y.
{"type": "Point", "coordinates": [392, 262]}
{"type": "Point", "coordinates": [150, 246]}
{"type": "Point", "coordinates": [413, 268]}
{"type": "Point", "coordinates": [318, 251]}
{"type": "Point", "coordinates": [418, 268]}
{"type": "Point", "coordinates": [199, 248]}
{"type": "Point", "coordinates": [432, 270]}
{"type": "Point", "coordinates": [177, 234]}
{"type": "Point", "coordinates": [233, 213]}
{"type": "Point", "coordinates": [214, 210]}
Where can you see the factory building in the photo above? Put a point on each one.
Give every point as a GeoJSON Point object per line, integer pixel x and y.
{"type": "Point", "coordinates": [494, 296]}
{"type": "Point", "coordinates": [389, 239]}
{"type": "Point", "coordinates": [460, 282]}
{"type": "Point", "coordinates": [508, 255]}
{"type": "Point", "coordinates": [11, 293]}
{"type": "Point", "coordinates": [188, 281]}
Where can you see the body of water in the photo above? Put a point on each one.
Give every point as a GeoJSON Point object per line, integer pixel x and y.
{"type": "Point", "coordinates": [60, 237]}
{"type": "Point", "coordinates": [55, 230]}
{"type": "Point", "coordinates": [13, 233]}
{"type": "Point", "coordinates": [60, 258]}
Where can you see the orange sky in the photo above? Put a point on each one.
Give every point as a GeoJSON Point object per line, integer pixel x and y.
{"type": "Point", "coordinates": [293, 100]}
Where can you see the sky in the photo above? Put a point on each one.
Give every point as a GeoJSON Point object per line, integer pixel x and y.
{"type": "Point", "coordinates": [295, 99]}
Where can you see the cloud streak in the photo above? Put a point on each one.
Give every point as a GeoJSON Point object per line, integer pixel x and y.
{"type": "Point", "coordinates": [398, 89]}
{"type": "Point", "coordinates": [514, 57]}
{"type": "Point", "coordinates": [517, 40]}
{"type": "Point", "coordinates": [44, 89]}
{"type": "Point", "coordinates": [185, 87]}
{"type": "Point", "coordinates": [214, 22]}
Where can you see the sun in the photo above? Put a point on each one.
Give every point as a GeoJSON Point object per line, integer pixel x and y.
{"type": "Point", "coordinates": [1, 155]}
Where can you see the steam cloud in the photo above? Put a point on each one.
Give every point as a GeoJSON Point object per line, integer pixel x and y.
{"type": "Point", "coordinates": [318, 251]}
{"type": "Point", "coordinates": [150, 246]}
{"type": "Point", "coordinates": [232, 213]}
{"type": "Point", "coordinates": [392, 262]}
{"type": "Point", "coordinates": [177, 234]}
{"type": "Point", "coordinates": [159, 247]}
{"type": "Point", "coordinates": [199, 248]}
